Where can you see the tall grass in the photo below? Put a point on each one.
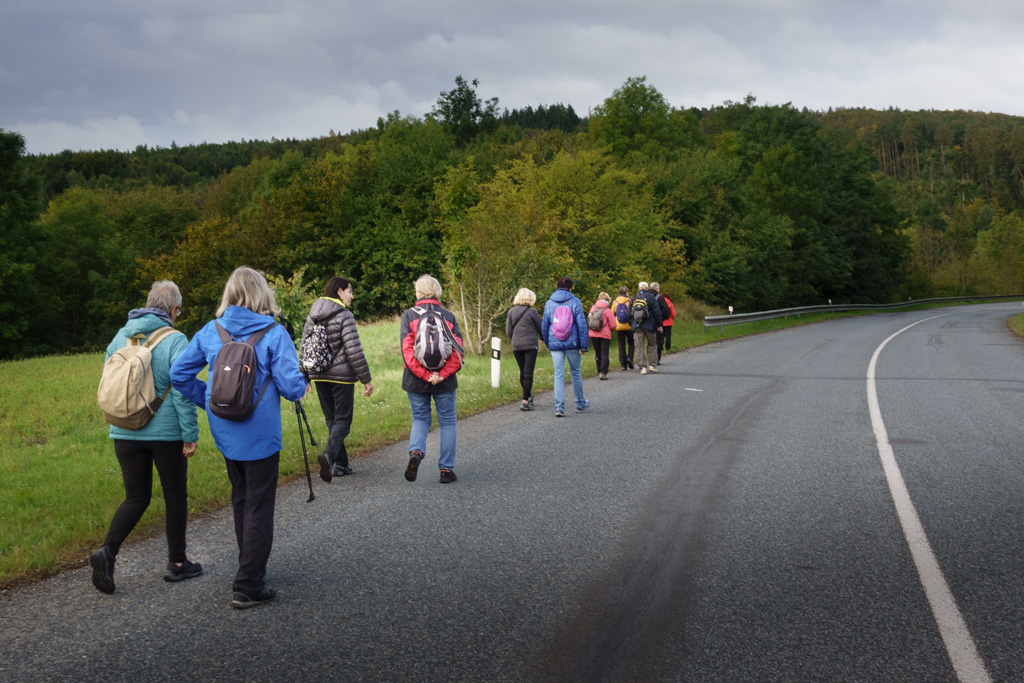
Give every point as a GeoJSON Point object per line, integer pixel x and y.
{"type": "Point", "coordinates": [59, 478]}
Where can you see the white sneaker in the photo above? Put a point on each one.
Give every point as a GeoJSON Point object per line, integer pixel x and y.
{"type": "Point", "coordinates": [643, 371]}
{"type": "Point", "coordinates": [653, 369]}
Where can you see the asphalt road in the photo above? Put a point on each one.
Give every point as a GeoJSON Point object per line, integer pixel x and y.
{"type": "Point", "coordinates": [728, 519]}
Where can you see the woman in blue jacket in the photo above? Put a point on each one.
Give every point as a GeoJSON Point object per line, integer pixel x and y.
{"type": "Point", "coordinates": [251, 448]}
{"type": "Point", "coordinates": [167, 441]}
{"type": "Point", "coordinates": [568, 349]}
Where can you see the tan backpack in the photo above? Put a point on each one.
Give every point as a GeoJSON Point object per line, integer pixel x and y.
{"type": "Point", "coordinates": [126, 393]}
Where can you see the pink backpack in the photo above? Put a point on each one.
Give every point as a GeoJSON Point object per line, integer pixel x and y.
{"type": "Point", "coordinates": [561, 323]}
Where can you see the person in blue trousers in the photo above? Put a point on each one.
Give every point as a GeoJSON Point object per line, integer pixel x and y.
{"type": "Point", "coordinates": [422, 385]}
{"type": "Point", "coordinates": [567, 349]}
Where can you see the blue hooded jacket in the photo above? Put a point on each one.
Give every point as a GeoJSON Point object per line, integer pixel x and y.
{"type": "Point", "coordinates": [578, 337]}
{"type": "Point", "coordinates": [175, 419]}
{"type": "Point", "coordinates": [260, 436]}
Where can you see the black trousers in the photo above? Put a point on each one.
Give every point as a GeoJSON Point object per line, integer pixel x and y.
{"type": "Point", "coordinates": [526, 359]}
{"type": "Point", "coordinates": [136, 459]}
{"type": "Point", "coordinates": [253, 495]}
{"type": "Point", "coordinates": [625, 338]}
{"type": "Point", "coordinates": [668, 337]}
{"type": "Point", "coordinates": [336, 404]}
{"type": "Point", "coordinates": [602, 347]}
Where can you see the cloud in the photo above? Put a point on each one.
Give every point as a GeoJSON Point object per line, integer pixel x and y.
{"type": "Point", "coordinates": [50, 137]}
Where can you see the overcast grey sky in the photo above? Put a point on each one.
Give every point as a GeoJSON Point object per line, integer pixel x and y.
{"type": "Point", "coordinates": [114, 74]}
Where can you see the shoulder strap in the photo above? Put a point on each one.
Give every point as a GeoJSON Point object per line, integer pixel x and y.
{"type": "Point", "coordinates": [158, 336]}
{"type": "Point", "coordinates": [251, 341]}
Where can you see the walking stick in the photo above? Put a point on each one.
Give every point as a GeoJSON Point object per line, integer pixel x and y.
{"type": "Point", "coordinates": [300, 416]}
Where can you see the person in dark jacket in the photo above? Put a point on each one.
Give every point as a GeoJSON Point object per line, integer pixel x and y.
{"type": "Point", "coordinates": [523, 327]}
{"type": "Point", "coordinates": [569, 349]}
{"type": "Point", "coordinates": [422, 384]}
{"type": "Point", "coordinates": [167, 441]}
{"type": "Point", "coordinates": [251, 447]}
{"type": "Point", "coordinates": [335, 386]}
{"type": "Point", "coordinates": [666, 315]}
{"type": "Point", "coordinates": [645, 331]}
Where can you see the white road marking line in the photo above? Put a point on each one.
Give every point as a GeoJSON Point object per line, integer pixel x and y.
{"type": "Point", "coordinates": [963, 653]}
{"type": "Point", "coordinates": [689, 389]}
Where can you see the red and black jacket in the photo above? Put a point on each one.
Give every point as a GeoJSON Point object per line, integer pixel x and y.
{"type": "Point", "coordinates": [415, 377]}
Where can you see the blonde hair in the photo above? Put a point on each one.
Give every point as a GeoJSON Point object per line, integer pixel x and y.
{"type": "Point", "coordinates": [249, 289]}
{"type": "Point", "coordinates": [525, 297]}
{"type": "Point", "coordinates": [603, 296]}
{"type": "Point", "coordinates": [427, 287]}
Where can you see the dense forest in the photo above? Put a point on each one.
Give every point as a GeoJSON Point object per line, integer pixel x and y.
{"type": "Point", "coordinates": [738, 204]}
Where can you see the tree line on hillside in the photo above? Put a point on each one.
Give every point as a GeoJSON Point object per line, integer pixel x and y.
{"type": "Point", "coordinates": [739, 204]}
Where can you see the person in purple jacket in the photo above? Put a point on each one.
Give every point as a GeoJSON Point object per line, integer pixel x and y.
{"type": "Point", "coordinates": [251, 448]}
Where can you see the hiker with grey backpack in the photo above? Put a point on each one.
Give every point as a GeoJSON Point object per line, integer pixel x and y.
{"type": "Point", "coordinates": [150, 424]}
{"type": "Point", "coordinates": [253, 364]}
{"type": "Point", "coordinates": [432, 350]}
{"type": "Point", "coordinates": [331, 356]}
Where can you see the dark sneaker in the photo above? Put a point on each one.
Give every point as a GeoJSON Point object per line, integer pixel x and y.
{"type": "Point", "coordinates": [102, 570]}
{"type": "Point", "coordinates": [182, 571]}
{"type": "Point", "coordinates": [525, 406]}
{"type": "Point", "coordinates": [580, 409]}
{"type": "Point", "coordinates": [242, 601]}
{"type": "Point", "coordinates": [447, 476]}
{"type": "Point", "coordinates": [603, 375]}
{"type": "Point", "coordinates": [559, 412]}
{"type": "Point", "coordinates": [341, 470]}
{"type": "Point", "coordinates": [414, 465]}
{"type": "Point", "coordinates": [325, 467]}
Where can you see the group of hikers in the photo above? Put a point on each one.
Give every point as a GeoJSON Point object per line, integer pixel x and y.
{"type": "Point", "coordinates": [150, 389]}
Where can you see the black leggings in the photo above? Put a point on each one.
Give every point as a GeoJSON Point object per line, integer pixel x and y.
{"type": "Point", "coordinates": [137, 459]}
{"type": "Point", "coordinates": [527, 359]}
{"type": "Point", "coordinates": [336, 405]}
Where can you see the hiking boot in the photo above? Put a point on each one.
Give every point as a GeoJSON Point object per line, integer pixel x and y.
{"type": "Point", "coordinates": [559, 412]}
{"type": "Point", "coordinates": [414, 464]}
{"type": "Point", "coordinates": [643, 371]}
{"type": "Point", "coordinates": [581, 408]}
{"type": "Point", "coordinates": [102, 570]}
{"type": "Point", "coordinates": [179, 571]}
{"type": "Point", "coordinates": [447, 476]}
{"type": "Point", "coordinates": [603, 375]}
{"type": "Point", "coordinates": [652, 369]}
{"type": "Point", "coordinates": [341, 470]}
{"type": "Point", "coordinates": [242, 601]}
{"type": "Point", "coordinates": [325, 466]}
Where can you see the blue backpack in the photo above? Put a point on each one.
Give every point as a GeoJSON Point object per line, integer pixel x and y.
{"type": "Point", "coordinates": [622, 313]}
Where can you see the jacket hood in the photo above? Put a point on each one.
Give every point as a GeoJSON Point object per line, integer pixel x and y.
{"type": "Point", "coordinates": [239, 321]}
{"type": "Point", "coordinates": [561, 296]}
{"type": "Point", "coordinates": [324, 308]}
{"type": "Point", "coordinates": [144, 323]}
{"type": "Point", "coordinates": [601, 303]}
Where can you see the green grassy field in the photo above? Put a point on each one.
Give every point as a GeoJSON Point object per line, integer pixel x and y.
{"type": "Point", "coordinates": [60, 482]}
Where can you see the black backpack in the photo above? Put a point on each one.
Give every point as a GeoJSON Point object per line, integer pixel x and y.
{"type": "Point", "coordinates": [233, 377]}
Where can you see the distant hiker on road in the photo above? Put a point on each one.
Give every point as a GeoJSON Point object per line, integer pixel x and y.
{"type": "Point", "coordinates": [600, 323]}
{"type": "Point", "coordinates": [646, 321]}
{"type": "Point", "coordinates": [167, 440]}
{"type": "Point", "coordinates": [335, 372]}
{"type": "Point", "coordinates": [564, 329]}
{"type": "Point", "coordinates": [251, 443]}
{"type": "Point", "coordinates": [623, 328]}
{"type": "Point", "coordinates": [523, 328]}
{"type": "Point", "coordinates": [667, 313]}
{"type": "Point", "coordinates": [432, 350]}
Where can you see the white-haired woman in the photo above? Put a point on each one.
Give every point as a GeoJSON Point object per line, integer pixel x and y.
{"type": "Point", "coordinates": [252, 447]}
{"type": "Point", "coordinates": [523, 328]}
{"type": "Point", "coordinates": [435, 379]}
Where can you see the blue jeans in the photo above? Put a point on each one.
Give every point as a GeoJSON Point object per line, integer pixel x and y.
{"type": "Point", "coordinates": [575, 360]}
{"type": "Point", "coordinates": [421, 420]}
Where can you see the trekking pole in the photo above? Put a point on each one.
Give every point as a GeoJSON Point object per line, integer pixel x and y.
{"type": "Point", "coordinates": [300, 415]}
{"type": "Point", "coordinates": [305, 456]}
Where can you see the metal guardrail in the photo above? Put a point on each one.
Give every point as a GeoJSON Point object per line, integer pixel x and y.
{"type": "Point", "coordinates": [740, 318]}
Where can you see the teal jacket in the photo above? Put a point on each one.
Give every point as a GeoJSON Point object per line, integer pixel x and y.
{"type": "Point", "coordinates": [176, 418]}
